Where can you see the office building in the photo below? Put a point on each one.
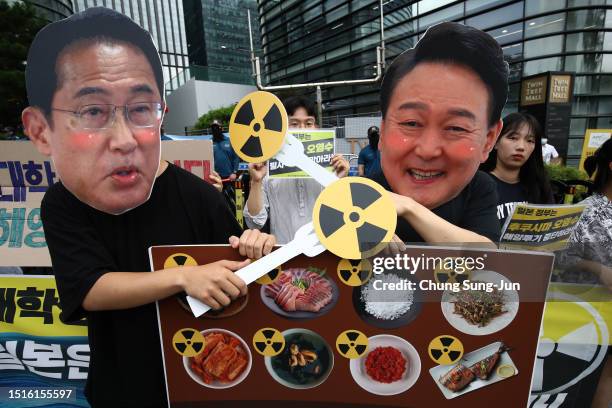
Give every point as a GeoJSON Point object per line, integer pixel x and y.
{"type": "Point", "coordinates": [313, 40]}
{"type": "Point", "coordinates": [50, 10]}
{"type": "Point", "coordinates": [164, 19]}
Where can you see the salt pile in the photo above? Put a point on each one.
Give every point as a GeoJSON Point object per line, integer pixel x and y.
{"type": "Point", "coordinates": [386, 304]}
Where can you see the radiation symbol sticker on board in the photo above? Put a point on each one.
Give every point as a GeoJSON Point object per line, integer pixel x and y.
{"type": "Point", "coordinates": [445, 273]}
{"type": "Point", "coordinates": [258, 126]}
{"type": "Point", "coordinates": [188, 342]}
{"type": "Point", "coordinates": [352, 344]}
{"type": "Point", "coordinates": [176, 260]}
{"type": "Point", "coordinates": [445, 349]}
{"type": "Point", "coordinates": [359, 224]}
{"type": "Point", "coordinates": [268, 342]}
{"type": "Point", "coordinates": [354, 272]}
{"type": "Point", "coordinates": [270, 277]}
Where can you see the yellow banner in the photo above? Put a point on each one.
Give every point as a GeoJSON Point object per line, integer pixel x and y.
{"type": "Point", "coordinates": [593, 138]}
{"type": "Point", "coordinates": [540, 227]}
{"type": "Point", "coordinates": [30, 305]}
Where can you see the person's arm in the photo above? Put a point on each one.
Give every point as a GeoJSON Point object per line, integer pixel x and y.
{"type": "Point", "coordinates": [430, 227]}
{"type": "Point", "coordinates": [214, 284]}
{"type": "Point", "coordinates": [555, 158]}
{"type": "Point", "coordinates": [255, 209]}
{"type": "Point", "coordinates": [210, 283]}
{"type": "Point", "coordinates": [361, 162]}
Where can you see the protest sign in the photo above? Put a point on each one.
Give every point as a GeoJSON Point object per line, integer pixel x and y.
{"type": "Point", "coordinates": [217, 358]}
{"type": "Point", "coordinates": [319, 146]}
{"type": "Point", "coordinates": [195, 156]}
{"type": "Point", "coordinates": [25, 175]}
{"type": "Point", "coordinates": [573, 345]}
{"type": "Point", "coordinates": [43, 362]}
{"type": "Point", "coordinates": [593, 139]}
{"type": "Point", "coordinates": [540, 227]}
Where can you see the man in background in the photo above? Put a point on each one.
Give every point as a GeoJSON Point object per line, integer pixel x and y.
{"type": "Point", "coordinates": [369, 157]}
{"type": "Point", "coordinates": [288, 203]}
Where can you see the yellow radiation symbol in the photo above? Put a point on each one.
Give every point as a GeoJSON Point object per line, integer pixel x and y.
{"type": "Point", "coordinates": [179, 259]}
{"type": "Point", "coordinates": [188, 342]}
{"type": "Point", "coordinates": [258, 126]}
{"type": "Point", "coordinates": [354, 272]}
{"type": "Point", "coordinates": [445, 272]}
{"type": "Point", "coordinates": [270, 277]}
{"type": "Point", "coordinates": [268, 342]}
{"type": "Point", "coordinates": [352, 344]}
{"type": "Point", "coordinates": [354, 218]}
{"type": "Point", "coordinates": [445, 349]}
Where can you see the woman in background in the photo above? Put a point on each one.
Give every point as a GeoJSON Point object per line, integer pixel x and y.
{"type": "Point", "coordinates": [516, 165]}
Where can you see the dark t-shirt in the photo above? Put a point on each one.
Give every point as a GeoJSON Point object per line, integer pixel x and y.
{"type": "Point", "coordinates": [473, 209]}
{"type": "Point", "coordinates": [126, 366]}
{"type": "Point", "coordinates": [370, 159]}
{"type": "Point", "coordinates": [509, 195]}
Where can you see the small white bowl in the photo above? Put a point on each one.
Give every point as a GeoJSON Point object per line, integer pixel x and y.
{"type": "Point", "coordinates": [216, 384]}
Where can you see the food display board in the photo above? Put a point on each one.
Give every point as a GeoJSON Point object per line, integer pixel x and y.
{"type": "Point", "coordinates": [320, 332]}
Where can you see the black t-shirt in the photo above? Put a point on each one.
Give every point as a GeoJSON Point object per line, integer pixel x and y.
{"type": "Point", "coordinates": [126, 367]}
{"type": "Point", "coordinates": [473, 209]}
{"type": "Point", "coordinates": [509, 195]}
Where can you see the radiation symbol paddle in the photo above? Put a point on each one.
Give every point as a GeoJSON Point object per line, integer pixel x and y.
{"type": "Point", "coordinates": [257, 127]}
{"type": "Point", "coordinates": [271, 276]}
{"type": "Point", "coordinates": [354, 272]}
{"type": "Point", "coordinates": [445, 273]}
{"type": "Point", "coordinates": [354, 218]}
{"type": "Point", "coordinates": [445, 349]}
{"type": "Point", "coordinates": [352, 344]}
{"type": "Point", "coordinates": [176, 260]}
{"type": "Point", "coordinates": [188, 342]}
{"type": "Point", "coordinates": [268, 342]}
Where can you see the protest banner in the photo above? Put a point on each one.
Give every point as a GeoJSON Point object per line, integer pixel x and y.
{"type": "Point", "coordinates": [573, 345]}
{"type": "Point", "coordinates": [195, 156]}
{"type": "Point", "coordinates": [319, 146]}
{"type": "Point", "coordinates": [25, 175]}
{"type": "Point", "coordinates": [216, 358]}
{"type": "Point", "coordinates": [43, 362]}
{"type": "Point", "coordinates": [540, 227]}
{"type": "Point", "coordinates": [593, 139]}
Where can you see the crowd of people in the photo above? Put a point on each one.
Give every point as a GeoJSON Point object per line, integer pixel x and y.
{"type": "Point", "coordinates": [95, 90]}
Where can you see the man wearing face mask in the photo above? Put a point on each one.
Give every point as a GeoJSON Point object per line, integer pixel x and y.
{"type": "Point", "coordinates": [549, 153]}
{"type": "Point", "coordinates": [369, 156]}
{"type": "Point", "coordinates": [441, 108]}
{"type": "Point", "coordinates": [95, 89]}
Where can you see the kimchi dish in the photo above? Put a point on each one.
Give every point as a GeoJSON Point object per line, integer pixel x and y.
{"type": "Point", "coordinates": [223, 359]}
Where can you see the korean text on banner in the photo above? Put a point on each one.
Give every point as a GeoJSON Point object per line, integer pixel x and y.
{"type": "Point", "coordinates": [540, 227]}
{"type": "Point", "coordinates": [319, 146]}
{"type": "Point", "coordinates": [43, 361]}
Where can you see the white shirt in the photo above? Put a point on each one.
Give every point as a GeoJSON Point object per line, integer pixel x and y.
{"type": "Point", "coordinates": [549, 152]}
{"type": "Point", "coordinates": [288, 202]}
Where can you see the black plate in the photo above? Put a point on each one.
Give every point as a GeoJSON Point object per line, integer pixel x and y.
{"type": "Point", "coordinates": [403, 320]}
{"type": "Point", "coordinates": [301, 315]}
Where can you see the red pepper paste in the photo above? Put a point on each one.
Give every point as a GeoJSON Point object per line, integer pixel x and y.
{"type": "Point", "coordinates": [385, 364]}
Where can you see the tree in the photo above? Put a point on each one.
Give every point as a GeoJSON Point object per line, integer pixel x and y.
{"type": "Point", "coordinates": [222, 114]}
{"type": "Point", "coordinates": [18, 26]}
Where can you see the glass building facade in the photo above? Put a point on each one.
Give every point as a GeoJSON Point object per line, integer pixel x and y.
{"type": "Point", "coordinates": [328, 40]}
{"type": "Point", "coordinates": [50, 10]}
{"type": "Point", "coordinates": [218, 37]}
{"type": "Point", "coordinates": [163, 19]}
